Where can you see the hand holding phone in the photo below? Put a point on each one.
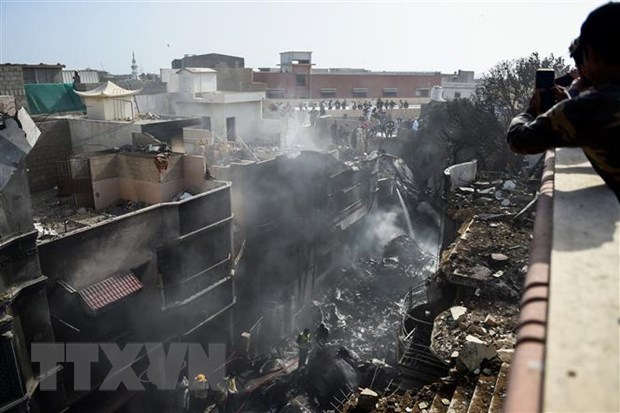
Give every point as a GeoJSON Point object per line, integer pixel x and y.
{"type": "Point", "coordinates": [545, 81]}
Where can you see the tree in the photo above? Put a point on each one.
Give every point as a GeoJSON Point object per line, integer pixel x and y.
{"type": "Point", "coordinates": [506, 89]}
{"type": "Point", "coordinates": [476, 128]}
{"type": "Point", "coordinates": [467, 131]}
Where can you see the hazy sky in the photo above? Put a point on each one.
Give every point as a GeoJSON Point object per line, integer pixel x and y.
{"type": "Point", "coordinates": [404, 35]}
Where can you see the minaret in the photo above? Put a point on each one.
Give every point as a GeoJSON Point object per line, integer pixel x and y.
{"type": "Point", "coordinates": [134, 67]}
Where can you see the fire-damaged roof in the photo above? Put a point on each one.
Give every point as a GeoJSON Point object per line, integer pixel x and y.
{"type": "Point", "coordinates": [110, 290]}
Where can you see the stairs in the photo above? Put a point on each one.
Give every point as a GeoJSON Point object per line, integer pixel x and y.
{"type": "Point", "coordinates": [499, 395]}
{"type": "Point", "coordinates": [461, 397]}
{"type": "Point", "coordinates": [486, 395]}
{"type": "Point", "coordinates": [481, 399]}
{"type": "Point", "coordinates": [444, 394]}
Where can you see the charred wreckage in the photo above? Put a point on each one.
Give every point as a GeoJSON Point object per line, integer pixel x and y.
{"type": "Point", "coordinates": [415, 283]}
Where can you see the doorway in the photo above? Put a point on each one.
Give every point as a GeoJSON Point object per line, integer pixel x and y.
{"type": "Point", "coordinates": [231, 133]}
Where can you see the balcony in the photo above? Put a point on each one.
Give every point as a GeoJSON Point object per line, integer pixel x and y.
{"type": "Point", "coordinates": [568, 353]}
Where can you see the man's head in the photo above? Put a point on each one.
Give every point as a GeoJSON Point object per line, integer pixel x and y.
{"type": "Point", "coordinates": [599, 45]}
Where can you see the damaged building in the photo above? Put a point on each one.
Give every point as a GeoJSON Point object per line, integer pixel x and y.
{"type": "Point", "coordinates": [24, 308]}
{"type": "Point", "coordinates": [184, 216]}
{"type": "Point", "coordinates": [121, 237]}
{"type": "Point", "coordinates": [142, 276]}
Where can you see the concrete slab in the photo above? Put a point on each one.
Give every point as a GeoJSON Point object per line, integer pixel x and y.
{"type": "Point", "coordinates": [582, 371]}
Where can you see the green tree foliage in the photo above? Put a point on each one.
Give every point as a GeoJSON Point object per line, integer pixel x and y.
{"type": "Point", "coordinates": [506, 89]}
{"type": "Point", "coordinates": [468, 132]}
{"type": "Point", "coordinates": [476, 128]}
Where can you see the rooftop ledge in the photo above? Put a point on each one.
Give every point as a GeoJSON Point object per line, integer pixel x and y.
{"type": "Point", "coordinates": [568, 349]}
{"type": "Point", "coordinates": [225, 97]}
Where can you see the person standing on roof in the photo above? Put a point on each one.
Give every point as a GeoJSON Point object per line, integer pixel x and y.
{"type": "Point", "coordinates": [303, 344]}
{"type": "Point", "coordinates": [76, 79]}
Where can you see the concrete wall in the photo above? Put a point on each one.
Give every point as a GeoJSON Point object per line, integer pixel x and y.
{"type": "Point", "coordinates": [193, 83]}
{"type": "Point", "coordinates": [139, 179]}
{"type": "Point", "coordinates": [103, 172]}
{"type": "Point", "coordinates": [53, 146]}
{"type": "Point", "coordinates": [12, 83]}
{"type": "Point", "coordinates": [238, 80]}
{"type": "Point", "coordinates": [93, 135]}
{"type": "Point", "coordinates": [15, 206]}
{"type": "Point", "coordinates": [194, 170]}
{"type": "Point", "coordinates": [170, 78]}
{"type": "Point", "coordinates": [170, 131]}
{"type": "Point", "coordinates": [158, 104]}
{"type": "Point", "coordinates": [247, 115]}
{"type": "Point", "coordinates": [134, 177]}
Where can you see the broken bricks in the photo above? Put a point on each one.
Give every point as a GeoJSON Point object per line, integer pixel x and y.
{"type": "Point", "coordinates": [490, 321]}
{"type": "Point", "coordinates": [457, 312]}
{"type": "Point", "coordinates": [474, 352]}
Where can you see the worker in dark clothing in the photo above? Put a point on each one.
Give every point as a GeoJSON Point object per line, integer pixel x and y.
{"type": "Point", "coordinates": [322, 334]}
{"type": "Point", "coordinates": [590, 120]}
{"type": "Point", "coordinates": [303, 344]}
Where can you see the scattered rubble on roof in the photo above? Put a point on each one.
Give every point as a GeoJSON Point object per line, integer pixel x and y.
{"type": "Point", "coordinates": [476, 335]}
{"type": "Point", "coordinates": [55, 215]}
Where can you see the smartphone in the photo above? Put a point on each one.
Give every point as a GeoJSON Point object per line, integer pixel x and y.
{"type": "Point", "coordinates": [545, 80]}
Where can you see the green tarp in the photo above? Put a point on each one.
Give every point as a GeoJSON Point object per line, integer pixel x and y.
{"type": "Point", "coordinates": [52, 98]}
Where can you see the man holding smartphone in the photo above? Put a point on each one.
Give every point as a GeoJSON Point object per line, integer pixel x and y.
{"type": "Point", "coordinates": [592, 119]}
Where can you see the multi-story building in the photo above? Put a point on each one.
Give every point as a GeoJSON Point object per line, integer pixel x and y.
{"type": "Point", "coordinates": [160, 273]}
{"type": "Point", "coordinates": [296, 78]}
{"type": "Point", "coordinates": [460, 85]}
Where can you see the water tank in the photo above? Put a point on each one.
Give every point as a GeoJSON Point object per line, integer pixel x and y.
{"type": "Point", "coordinates": [437, 93]}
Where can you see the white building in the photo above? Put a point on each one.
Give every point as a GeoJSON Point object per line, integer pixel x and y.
{"type": "Point", "coordinates": [461, 84]}
{"type": "Point", "coordinates": [228, 115]}
{"type": "Point", "coordinates": [109, 102]}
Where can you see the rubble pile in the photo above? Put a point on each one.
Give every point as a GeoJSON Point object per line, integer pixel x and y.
{"type": "Point", "coordinates": [490, 325]}
{"type": "Point", "coordinates": [492, 193]}
{"type": "Point", "coordinates": [54, 215]}
{"type": "Point", "coordinates": [226, 152]}
{"type": "Point", "coordinates": [485, 267]}
{"type": "Point", "coordinates": [484, 270]}
{"type": "Point", "coordinates": [490, 254]}
{"type": "Point", "coordinates": [364, 308]}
